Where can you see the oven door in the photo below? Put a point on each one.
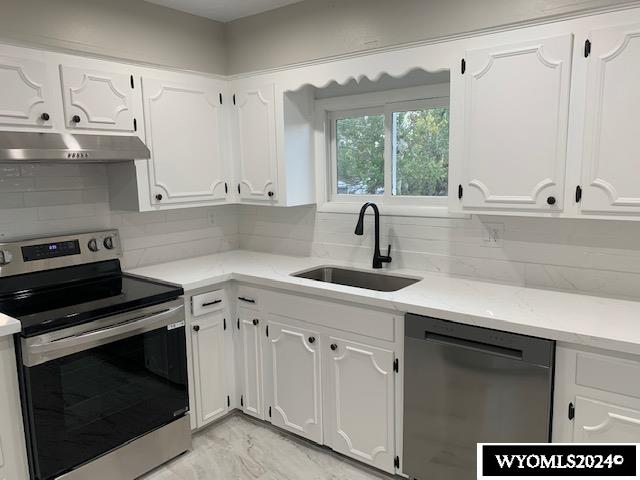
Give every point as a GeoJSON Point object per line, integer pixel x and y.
{"type": "Point", "coordinates": [92, 388]}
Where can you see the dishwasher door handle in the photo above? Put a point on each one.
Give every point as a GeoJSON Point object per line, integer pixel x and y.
{"type": "Point", "coordinates": [481, 347]}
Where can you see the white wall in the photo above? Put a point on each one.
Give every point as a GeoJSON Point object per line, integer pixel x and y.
{"type": "Point", "coordinates": [316, 29]}
{"type": "Point", "coordinates": [48, 199]}
{"type": "Point", "coordinates": [125, 29]}
{"type": "Point", "coordinates": [591, 256]}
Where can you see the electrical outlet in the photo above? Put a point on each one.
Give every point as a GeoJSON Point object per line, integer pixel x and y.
{"type": "Point", "coordinates": [492, 234]}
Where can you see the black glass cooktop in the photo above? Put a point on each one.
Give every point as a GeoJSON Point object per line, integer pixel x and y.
{"type": "Point", "coordinates": [56, 299]}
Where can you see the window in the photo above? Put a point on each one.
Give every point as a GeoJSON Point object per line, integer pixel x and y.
{"type": "Point", "coordinates": [393, 153]}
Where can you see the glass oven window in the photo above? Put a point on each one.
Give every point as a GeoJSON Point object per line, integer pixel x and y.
{"type": "Point", "coordinates": [86, 404]}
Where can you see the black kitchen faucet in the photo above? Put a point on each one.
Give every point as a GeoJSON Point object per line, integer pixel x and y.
{"type": "Point", "coordinates": [378, 259]}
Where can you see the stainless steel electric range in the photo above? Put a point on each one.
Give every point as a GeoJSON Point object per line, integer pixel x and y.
{"type": "Point", "coordinates": [101, 359]}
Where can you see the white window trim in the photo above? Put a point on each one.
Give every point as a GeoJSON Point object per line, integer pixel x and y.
{"type": "Point", "coordinates": [328, 110]}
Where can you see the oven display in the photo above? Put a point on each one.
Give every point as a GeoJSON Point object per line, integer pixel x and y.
{"type": "Point", "coordinates": [50, 250]}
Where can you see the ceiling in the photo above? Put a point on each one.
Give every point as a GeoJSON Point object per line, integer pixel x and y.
{"type": "Point", "coordinates": [223, 10]}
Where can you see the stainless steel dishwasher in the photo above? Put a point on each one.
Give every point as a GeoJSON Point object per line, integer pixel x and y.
{"type": "Point", "coordinates": [465, 385]}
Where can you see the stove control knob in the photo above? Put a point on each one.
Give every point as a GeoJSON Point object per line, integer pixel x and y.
{"type": "Point", "coordinates": [108, 243]}
{"type": "Point", "coordinates": [5, 257]}
{"type": "Point", "coordinates": [93, 245]}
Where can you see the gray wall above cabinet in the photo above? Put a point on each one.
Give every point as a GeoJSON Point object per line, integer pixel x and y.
{"type": "Point", "coordinates": [125, 29]}
{"type": "Point", "coordinates": [316, 29]}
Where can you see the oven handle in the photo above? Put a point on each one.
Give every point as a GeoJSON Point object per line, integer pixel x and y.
{"type": "Point", "coordinates": [37, 353]}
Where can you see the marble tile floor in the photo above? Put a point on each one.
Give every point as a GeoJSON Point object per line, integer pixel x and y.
{"type": "Point", "coordinates": [241, 448]}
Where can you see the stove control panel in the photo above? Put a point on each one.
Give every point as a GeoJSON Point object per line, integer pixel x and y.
{"type": "Point", "coordinates": [32, 255]}
{"type": "Point", "coordinates": [5, 257]}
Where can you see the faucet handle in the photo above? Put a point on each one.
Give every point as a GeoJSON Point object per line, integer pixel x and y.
{"type": "Point", "coordinates": [388, 259]}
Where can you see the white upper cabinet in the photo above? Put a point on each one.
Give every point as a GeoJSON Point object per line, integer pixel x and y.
{"type": "Point", "coordinates": [295, 402]}
{"type": "Point", "coordinates": [184, 128]}
{"type": "Point", "coordinates": [98, 100]}
{"type": "Point", "coordinates": [516, 100]}
{"type": "Point", "coordinates": [27, 96]}
{"type": "Point", "coordinates": [611, 155]}
{"type": "Point", "coordinates": [257, 161]}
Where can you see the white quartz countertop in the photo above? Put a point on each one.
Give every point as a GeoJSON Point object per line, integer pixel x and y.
{"type": "Point", "coordinates": [580, 319]}
{"type": "Point", "coordinates": [8, 325]}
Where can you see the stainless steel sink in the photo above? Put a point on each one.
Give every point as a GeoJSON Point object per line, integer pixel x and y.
{"type": "Point", "coordinates": [381, 282]}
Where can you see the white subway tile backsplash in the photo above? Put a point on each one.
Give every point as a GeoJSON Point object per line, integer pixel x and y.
{"type": "Point", "coordinates": [589, 256]}
{"type": "Point", "coordinates": [597, 257]}
{"type": "Point", "coordinates": [62, 197]}
{"type": "Point", "coordinates": [9, 170]}
{"type": "Point", "coordinates": [11, 200]}
{"type": "Point", "coordinates": [40, 199]}
{"type": "Point", "coordinates": [16, 184]}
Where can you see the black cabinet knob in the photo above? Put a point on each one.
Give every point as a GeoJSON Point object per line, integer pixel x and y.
{"type": "Point", "coordinates": [334, 346]}
{"type": "Point", "coordinates": [75, 119]}
{"type": "Point", "coordinates": [196, 328]}
{"type": "Point", "coordinates": [270, 194]}
{"type": "Point", "coordinates": [312, 339]}
{"type": "Point", "coordinates": [256, 321]}
{"type": "Point", "coordinates": [45, 116]}
{"type": "Point", "coordinates": [159, 197]}
{"type": "Point", "coordinates": [551, 200]}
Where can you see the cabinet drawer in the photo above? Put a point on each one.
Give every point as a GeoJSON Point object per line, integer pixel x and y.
{"type": "Point", "coordinates": [248, 298]}
{"type": "Point", "coordinates": [334, 315]}
{"type": "Point", "coordinates": [207, 302]}
{"type": "Point", "coordinates": [608, 373]}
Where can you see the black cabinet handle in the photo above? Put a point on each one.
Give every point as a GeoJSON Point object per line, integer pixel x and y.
{"type": "Point", "coordinates": [270, 194]}
{"type": "Point", "coordinates": [551, 200]}
{"type": "Point", "coordinates": [159, 197]}
{"type": "Point", "coordinates": [248, 300]}
{"type": "Point", "coordinates": [45, 116]}
{"type": "Point", "coordinates": [75, 119]}
{"type": "Point", "coordinates": [334, 346]}
{"type": "Point", "coordinates": [312, 339]}
{"type": "Point", "coordinates": [196, 328]}
{"type": "Point", "coordinates": [578, 194]}
{"type": "Point", "coordinates": [256, 321]}
{"type": "Point", "coordinates": [208, 304]}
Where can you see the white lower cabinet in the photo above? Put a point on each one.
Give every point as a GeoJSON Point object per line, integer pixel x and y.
{"type": "Point", "coordinates": [292, 365]}
{"type": "Point", "coordinates": [359, 402]}
{"type": "Point", "coordinates": [251, 400]}
{"type": "Point", "coordinates": [211, 358]}
{"type": "Point", "coordinates": [602, 422]}
{"type": "Point", "coordinates": [329, 375]}
{"type": "Point", "coordinates": [597, 399]}
{"type": "Point", "coordinates": [326, 371]}
{"type": "Point", "coordinates": [208, 340]}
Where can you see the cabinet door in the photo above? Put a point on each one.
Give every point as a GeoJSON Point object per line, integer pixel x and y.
{"type": "Point", "coordinates": [516, 103]}
{"type": "Point", "coordinates": [208, 340]}
{"type": "Point", "coordinates": [184, 131]}
{"type": "Point", "coordinates": [252, 398]}
{"type": "Point", "coordinates": [256, 145]}
{"type": "Point", "coordinates": [611, 150]}
{"type": "Point", "coordinates": [98, 100]}
{"type": "Point", "coordinates": [359, 402]}
{"type": "Point", "coordinates": [295, 376]}
{"type": "Point", "coordinates": [600, 422]}
{"type": "Point", "coordinates": [25, 93]}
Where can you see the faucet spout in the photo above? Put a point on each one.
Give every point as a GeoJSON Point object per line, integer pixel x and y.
{"type": "Point", "coordinates": [378, 259]}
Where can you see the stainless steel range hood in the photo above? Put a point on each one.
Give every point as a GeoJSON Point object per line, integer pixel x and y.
{"type": "Point", "coordinates": [70, 148]}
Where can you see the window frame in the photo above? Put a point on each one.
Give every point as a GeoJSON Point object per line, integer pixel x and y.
{"type": "Point", "coordinates": [387, 102]}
